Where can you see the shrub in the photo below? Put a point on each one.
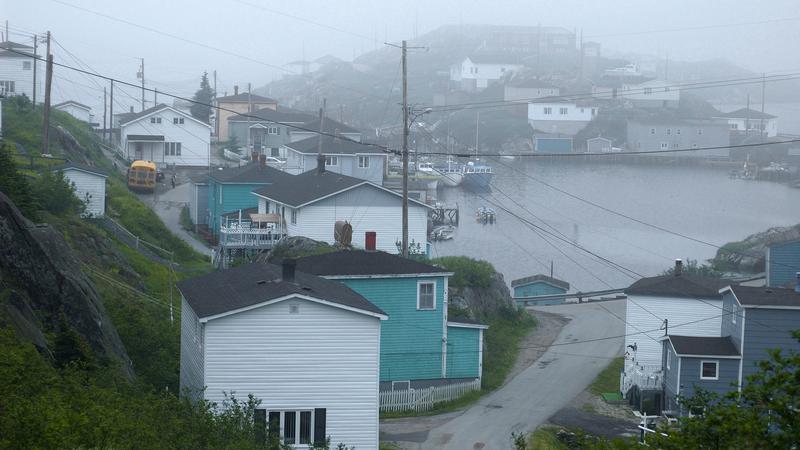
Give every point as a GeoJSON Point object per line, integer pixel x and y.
{"type": "Point", "coordinates": [468, 271]}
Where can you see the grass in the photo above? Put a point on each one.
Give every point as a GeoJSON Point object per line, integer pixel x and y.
{"type": "Point", "coordinates": [608, 379]}
{"type": "Point", "coordinates": [545, 438]}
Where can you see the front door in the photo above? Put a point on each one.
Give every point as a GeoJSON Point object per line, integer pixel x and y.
{"type": "Point", "coordinates": [138, 150]}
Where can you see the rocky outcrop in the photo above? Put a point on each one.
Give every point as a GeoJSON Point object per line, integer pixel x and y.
{"type": "Point", "coordinates": [749, 255]}
{"type": "Point", "coordinates": [45, 294]}
{"type": "Point", "coordinates": [482, 302]}
{"type": "Point", "coordinates": [295, 247]}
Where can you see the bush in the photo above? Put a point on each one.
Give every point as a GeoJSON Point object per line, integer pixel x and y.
{"type": "Point", "coordinates": [186, 219]}
{"type": "Point", "coordinates": [468, 272]}
{"type": "Point", "coordinates": [14, 184]}
{"type": "Point", "coordinates": [55, 194]}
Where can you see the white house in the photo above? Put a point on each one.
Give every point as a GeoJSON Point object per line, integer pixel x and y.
{"type": "Point", "coordinates": [76, 110]}
{"type": "Point", "coordinates": [342, 155]}
{"type": "Point", "coordinates": [556, 116]}
{"type": "Point", "coordinates": [16, 71]}
{"type": "Point", "coordinates": [165, 135]}
{"type": "Point", "coordinates": [529, 90]}
{"type": "Point", "coordinates": [307, 347]}
{"type": "Point", "coordinates": [477, 72]}
{"type": "Point", "coordinates": [311, 203]}
{"type": "Point", "coordinates": [651, 94]}
{"type": "Point", "coordinates": [751, 121]}
{"type": "Point", "coordinates": [90, 186]}
{"type": "Point", "coordinates": [679, 304]}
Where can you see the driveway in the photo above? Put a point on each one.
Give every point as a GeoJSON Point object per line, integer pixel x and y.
{"type": "Point", "coordinates": [535, 394]}
{"type": "Point", "coordinates": [168, 205]}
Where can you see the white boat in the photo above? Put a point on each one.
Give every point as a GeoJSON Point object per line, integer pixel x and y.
{"type": "Point", "coordinates": [452, 173]}
{"type": "Point", "coordinates": [443, 233]}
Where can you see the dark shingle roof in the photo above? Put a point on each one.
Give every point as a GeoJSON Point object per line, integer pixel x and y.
{"type": "Point", "coordinates": [83, 167]}
{"type": "Point", "coordinates": [761, 296]}
{"type": "Point", "coordinates": [126, 118]}
{"type": "Point", "coordinates": [542, 278]}
{"type": "Point", "coordinates": [685, 285]}
{"type": "Point", "coordinates": [271, 115]}
{"type": "Point", "coordinates": [361, 262]}
{"type": "Point", "coordinates": [254, 283]}
{"type": "Point", "coordinates": [245, 98]}
{"type": "Point", "coordinates": [745, 113]}
{"type": "Point", "coordinates": [249, 173]}
{"type": "Point", "coordinates": [297, 190]}
{"type": "Point", "coordinates": [332, 146]}
{"type": "Point", "coordinates": [703, 346]}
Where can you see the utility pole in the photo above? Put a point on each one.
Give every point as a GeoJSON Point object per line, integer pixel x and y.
{"type": "Point", "coordinates": [141, 72]}
{"type": "Point", "coordinates": [155, 97]}
{"type": "Point", "coordinates": [35, 61]}
{"type": "Point", "coordinates": [321, 130]}
{"type": "Point", "coordinates": [48, 80]}
{"type": "Point", "coordinates": [105, 122]}
{"type": "Point", "coordinates": [216, 111]}
{"type": "Point", "coordinates": [111, 115]}
{"type": "Point", "coordinates": [763, 89]}
{"type": "Point", "coordinates": [405, 151]}
{"type": "Point", "coordinates": [249, 110]}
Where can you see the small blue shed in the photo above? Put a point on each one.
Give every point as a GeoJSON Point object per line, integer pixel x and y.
{"type": "Point", "coordinates": [538, 285]}
{"type": "Point", "coordinates": [553, 144]}
{"type": "Point", "coordinates": [783, 263]}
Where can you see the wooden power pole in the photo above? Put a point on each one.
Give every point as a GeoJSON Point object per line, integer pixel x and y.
{"type": "Point", "coordinates": [105, 117]}
{"type": "Point", "coordinates": [405, 151]}
{"type": "Point", "coordinates": [35, 63]}
{"type": "Point", "coordinates": [48, 80]}
{"type": "Point", "coordinates": [141, 72]}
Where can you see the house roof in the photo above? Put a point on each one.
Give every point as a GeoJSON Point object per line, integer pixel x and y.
{"type": "Point", "coordinates": [703, 346]}
{"type": "Point", "coordinates": [14, 45]}
{"type": "Point", "coordinates": [255, 283]}
{"type": "Point", "coordinates": [684, 286]}
{"type": "Point", "coordinates": [749, 296]}
{"type": "Point", "coordinates": [532, 84]}
{"type": "Point", "coordinates": [127, 118]}
{"type": "Point", "coordinates": [250, 173]}
{"type": "Point", "coordinates": [494, 59]}
{"type": "Point", "coordinates": [362, 262]}
{"type": "Point", "coordinates": [540, 278]}
{"type": "Point", "coordinates": [245, 98]}
{"type": "Point", "coordinates": [10, 49]}
{"type": "Point", "coordinates": [73, 102]}
{"type": "Point", "coordinates": [331, 126]}
{"type": "Point", "coordinates": [464, 322]}
{"type": "Point", "coordinates": [83, 168]}
{"type": "Point", "coordinates": [745, 113]}
{"type": "Point", "coordinates": [332, 146]}
{"type": "Point", "coordinates": [270, 115]}
{"type": "Point", "coordinates": [309, 187]}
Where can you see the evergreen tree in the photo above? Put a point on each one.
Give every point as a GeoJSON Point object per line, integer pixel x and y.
{"type": "Point", "coordinates": [202, 109]}
{"type": "Point", "coordinates": [14, 184]}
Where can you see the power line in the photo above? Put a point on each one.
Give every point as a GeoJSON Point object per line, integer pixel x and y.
{"type": "Point", "coordinates": [701, 27]}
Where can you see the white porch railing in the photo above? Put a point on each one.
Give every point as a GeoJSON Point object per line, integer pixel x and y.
{"type": "Point", "coordinates": [249, 234]}
{"type": "Point", "coordinates": [420, 400]}
{"type": "Point", "coordinates": [645, 376]}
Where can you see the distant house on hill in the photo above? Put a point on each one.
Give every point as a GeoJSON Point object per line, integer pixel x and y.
{"type": "Point", "coordinates": [76, 110]}
{"type": "Point", "coordinates": [90, 186]}
{"type": "Point", "coordinates": [670, 133]}
{"type": "Point", "coordinates": [228, 106]}
{"type": "Point", "coordinates": [748, 121]}
{"type": "Point", "coordinates": [538, 285]}
{"type": "Point", "coordinates": [651, 94]}
{"type": "Point", "coordinates": [526, 90]}
{"type": "Point", "coordinates": [267, 130]}
{"type": "Point", "coordinates": [342, 155]}
{"type": "Point", "coordinates": [783, 264]}
{"type": "Point", "coordinates": [16, 71]}
{"type": "Point", "coordinates": [557, 116]}
{"type": "Point", "coordinates": [476, 72]}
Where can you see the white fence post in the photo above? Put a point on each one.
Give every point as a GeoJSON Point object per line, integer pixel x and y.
{"type": "Point", "coordinates": [419, 400]}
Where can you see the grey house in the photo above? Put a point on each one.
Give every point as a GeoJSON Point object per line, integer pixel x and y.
{"type": "Point", "coordinates": [673, 134]}
{"type": "Point", "coordinates": [754, 320]}
{"type": "Point", "coordinates": [342, 155]}
{"type": "Point", "coordinates": [266, 130]}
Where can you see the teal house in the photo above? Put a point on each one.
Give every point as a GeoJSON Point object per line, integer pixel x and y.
{"type": "Point", "coordinates": [230, 190]}
{"type": "Point", "coordinates": [536, 285]}
{"type": "Point", "coordinates": [420, 345]}
{"type": "Point", "coordinates": [783, 264]}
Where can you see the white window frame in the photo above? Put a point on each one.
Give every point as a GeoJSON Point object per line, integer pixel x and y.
{"type": "Point", "coordinates": [334, 161]}
{"type": "Point", "coordinates": [652, 131]}
{"type": "Point", "coordinates": [665, 146]}
{"type": "Point", "coordinates": [563, 111]}
{"type": "Point", "coordinates": [716, 365]}
{"type": "Point", "coordinates": [282, 425]}
{"type": "Point", "coordinates": [548, 110]}
{"type": "Point", "coordinates": [419, 284]}
{"type": "Point", "coordinates": [733, 314]}
{"type": "Point", "coordinates": [293, 216]}
{"type": "Point", "coordinates": [26, 65]}
{"type": "Point", "coordinates": [669, 360]}
{"type": "Point", "coordinates": [363, 162]}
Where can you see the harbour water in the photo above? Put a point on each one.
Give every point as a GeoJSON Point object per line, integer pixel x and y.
{"type": "Point", "coordinates": [701, 203]}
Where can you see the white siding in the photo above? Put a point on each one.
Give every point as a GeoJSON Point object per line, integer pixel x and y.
{"type": "Point", "coordinates": [195, 138]}
{"type": "Point", "coordinates": [706, 318]}
{"type": "Point", "coordinates": [191, 377]}
{"type": "Point", "coordinates": [536, 111]}
{"type": "Point", "coordinates": [367, 208]}
{"type": "Point", "coordinates": [321, 357]}
{"type": "Point", "coordinates": [11, 69]}
{"type": "Point", "coordinates": [76, 112]}
{"type": "Point", "coordinates": [89, 188]}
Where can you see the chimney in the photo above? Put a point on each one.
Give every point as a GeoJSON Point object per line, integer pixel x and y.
{"type": "Point", "coordinates": [678, 267]}
{"type": "Point", "coordinates": [262, 161]}
{"type": "Point", "coordinates": [288, 266]}
{"type": "Point", "coordinates": [336, 135]}
{"type": "Point", "coordinates": [320, 164]}
{"type": "Point", "coordinates": [235, 89]}
{"type": "Point", "coordinates": [131, 108]}
{"type": "Point", "coordinates": [370, 241]}
{"type": "Point", "coordinates": [797, 282]}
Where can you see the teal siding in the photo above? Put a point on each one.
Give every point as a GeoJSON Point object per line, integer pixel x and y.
{"type": "Point", "coordinates": [411, 340]}
{"type": "Point", "coordinates": [234, 198]}
{"type": "Point", "coordinates": [783, 262]}
{"type": "Point", "coordinates": [554, 145]}
{"type": "Point", "coordinates": [537, 288]}
{"type": "Point", "coordinates": [463, 345]}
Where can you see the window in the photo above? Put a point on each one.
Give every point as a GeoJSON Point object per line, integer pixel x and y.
{"type": "Point", "coordinates": [652, 131]}
{"type": "Point", "coordinates": [563, 111]}
{"type": "Point", "coordinates": [363, 162]}
{"type": "Point", "coordinates": [426, 295]}
{"type": "Point", "coordinates": [273, 130]}
{"type": "Point", "coordinates": [26, 65]}
{"type": "Point", "coordinates": [155, 120]}
{"type": "Point", "coordinates": [6, 86]}
{"type": "Point", "coordinates": [331, 161]}
{"type": "Point", "coordinates": [694, 145]}
{"type": "Point", "coordinates": [676, 145]}
{"type": "Point", "coordinates": [648, 91]}
{"type": "Point", "coordinates": [664, 146]}
{"type": "Point", "coordinates": [669, 360]}
{"type": "Point", "coordinates": [294, 217]}
{"type": "Point", "coordinates": [734, 126]}
{"type": "Point", "coordinates": [699, 131]}
{"type": "Point", "coordinates": [275, 152]}
{"type": "Point", "coordinates": [548, 110]}
{"type": "Point", "coordinates": [177, 120]}
{"type": "Point", "coordinates": [172, 149]}
{"type": "Point", "coordinates": [476, 70]}
{"type": "Point", "coordinates": [678, 131]}
{"type": "Point", "coordinates": [709, 370]}
{"type": "Point", "coordinates": [733, 313]}
{"type": "Point", "coordinates": [669, 130]}
{"type": "Point", "coordinates": [302, 427]}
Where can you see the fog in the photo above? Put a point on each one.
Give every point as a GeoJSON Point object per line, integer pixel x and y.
{"type": "Point", "coordinates": [252, 41]}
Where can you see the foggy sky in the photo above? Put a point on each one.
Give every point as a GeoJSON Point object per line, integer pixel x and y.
{"type": "Point", "coordinates": [273, 39]}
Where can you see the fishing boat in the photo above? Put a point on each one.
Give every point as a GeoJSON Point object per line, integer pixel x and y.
{"type": "Point", "coordinates": [477, 175]}
{"type": "Point", "coordinates": [443, 233]}
{"type": "Point", "coordinates": [452, 173]}
{"type": "Point", "coordinates": [485, 215]}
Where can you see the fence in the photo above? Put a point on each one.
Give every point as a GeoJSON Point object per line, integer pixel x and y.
{"type": "Point", "coordinates": [419, 400]}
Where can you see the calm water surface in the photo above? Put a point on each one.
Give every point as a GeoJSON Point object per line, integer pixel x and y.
{"type": "Point", "coordinates": [699, 202]}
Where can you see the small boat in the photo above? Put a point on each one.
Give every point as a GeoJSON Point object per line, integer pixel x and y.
{"type": "Point", "coordinates": [426, 168]}
{"type": "Point", "coordinates": [485, 215]}
{"type": "Point", "coordinates": [452, 173]}
{"type": "Point", "coordinates": [443, 233]}
{"type": "Point", "coordinates": [477, 175]}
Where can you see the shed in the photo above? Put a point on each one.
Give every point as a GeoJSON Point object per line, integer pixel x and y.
{"type": "Point", "coordinates": [598, 145]}
{"type": "Point", "coordinates": [552, 144]}
{"type": "Point", "coordinates": [90, 186]}
{"type": "Point", "coordinates": [783, 263]}
{"type": "Point", "coordinates": [538, 285]}
{"type": "Point", "coordinates": [76, 110]}
{"type": "Point", "coordinates": [198, 200]}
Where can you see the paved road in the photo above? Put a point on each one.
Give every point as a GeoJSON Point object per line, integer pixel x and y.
{"type": "Point", "coordinates": [168, 207]}
{"type": "Point", "coordinates": [541, 390]}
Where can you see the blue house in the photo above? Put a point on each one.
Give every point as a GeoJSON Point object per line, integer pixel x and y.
{"type": "Point", "coordinates": [755, 320]}
{"type": "Point", "coordinates": [420, 345]}
{"type": "Point", "coordinates": [783, 263]}
{"type": "Point", "coordinates": [538, 285]}
{"type": "Point", "coordinates": [230, 190]}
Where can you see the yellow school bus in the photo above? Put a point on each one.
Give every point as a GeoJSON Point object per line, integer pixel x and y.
{"type": "Point", "coordinates": [142, 176]}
